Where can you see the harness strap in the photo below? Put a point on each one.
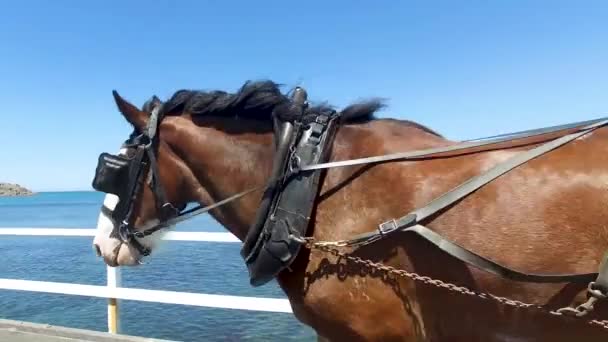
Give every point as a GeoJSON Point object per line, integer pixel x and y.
{"type": "Point", "coordinates": [409, 222]}
{"type": "Point", "coordinates": [123, 209]}
{"type": "Point", "coordinates": [477, 182]}
{"type": "Point", "coordinates": [540, 131]}
{"type": "Point", "coordinates": [460, 147]}
{"type": "Point", "coordinates": [165, 208]}
{"type": "Point", "coordinates": [490, 266]}
{"type": "Point", "coordinates": [185, 215]}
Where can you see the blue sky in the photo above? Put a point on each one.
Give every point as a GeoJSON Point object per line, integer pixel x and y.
{"type": "Point", "coordinates": [466, 69]}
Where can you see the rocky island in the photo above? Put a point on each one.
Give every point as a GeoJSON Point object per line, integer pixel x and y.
{"type": "Point", "coordinates": [8, 189]}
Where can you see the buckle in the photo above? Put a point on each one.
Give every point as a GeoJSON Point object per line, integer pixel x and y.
{"type": "Point", "coordinates": [295, 164]}
{"type": "Point", "coordinates": [322, 119]}
{"type": "Point", "coordinates": [124, 232]}
{"type": "Point", "coordinates": [142, 140]}
{"type": "Point", "coordinates": [387, 227]}
{"type": "Point", "coordinates": [392, 225]}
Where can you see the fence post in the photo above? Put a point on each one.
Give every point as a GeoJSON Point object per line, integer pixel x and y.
{"type": "Point", "coordinates": [113, 275]}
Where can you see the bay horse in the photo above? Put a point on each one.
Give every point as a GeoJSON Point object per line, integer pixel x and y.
{"type": "Point", "coordinates": [548, 215]}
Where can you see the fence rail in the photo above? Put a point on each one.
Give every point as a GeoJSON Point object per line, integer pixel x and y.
{"type": "Point", "coordinates": [67, 232]}
{"type": "Point", "coordinates": [113, 291]}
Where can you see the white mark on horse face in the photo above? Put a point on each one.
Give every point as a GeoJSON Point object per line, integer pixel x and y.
{"type": "Point", "coordinates": [115, 252]}
{"type": "Point", "coordinates": [107, 246]}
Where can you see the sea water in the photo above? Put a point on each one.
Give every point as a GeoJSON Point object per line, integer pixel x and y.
{"type": "Point", "coordinates": [202, 267]}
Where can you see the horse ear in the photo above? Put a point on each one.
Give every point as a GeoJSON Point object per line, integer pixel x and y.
{"type": "Point", "coordinates": [132, 114]}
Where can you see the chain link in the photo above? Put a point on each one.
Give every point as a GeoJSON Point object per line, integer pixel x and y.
{"type": "Point", "coordinates": [331, 248]}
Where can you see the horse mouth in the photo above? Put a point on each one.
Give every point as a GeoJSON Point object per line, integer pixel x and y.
{"type": "Point", "coordinates": [123, 255]}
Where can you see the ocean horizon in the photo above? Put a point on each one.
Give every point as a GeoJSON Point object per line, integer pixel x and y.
{"type": "Point", "coordinates": [202, 267]}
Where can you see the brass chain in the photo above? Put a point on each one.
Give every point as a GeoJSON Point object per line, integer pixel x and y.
{"type": "Point", "coordinates": [331, 248]}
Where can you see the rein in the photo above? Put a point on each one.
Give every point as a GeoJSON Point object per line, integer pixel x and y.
{"type": "Point", "coordinates": [409, 222]}
{"type": "Point", "coordinates": [440, 152]}
{"type": "Point", "coordinates": [190, 213]}
{"type": "Point", "coordinates": [582, 128]}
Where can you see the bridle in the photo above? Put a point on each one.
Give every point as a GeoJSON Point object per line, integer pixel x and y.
{"type": "Point", "coordinates": [113, 170]}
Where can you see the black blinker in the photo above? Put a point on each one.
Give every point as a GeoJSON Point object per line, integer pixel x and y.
{"type": "Point", "coordinates": [111, 174]}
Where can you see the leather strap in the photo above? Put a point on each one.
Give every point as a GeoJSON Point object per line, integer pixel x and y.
{"type": "Point", "coordinates": [409, 222]}
{"type": "Point", "coordinates": [155, 117]}
{"type": "Point", "coordinates": [490, 266]}
{"type": "Point", "coordinates": [198, 210]}
{"type": "Point", "coordinates": [124, 208]}
{"type": "Point", "coordinates": [477, 182]}
{"type": "Point", "coordinates": [441, 151]}
{"type": "Point", "coordinates": [164, 207]}
{"type": "Point", "coordinates": [540, 131]}
{"type": "Point", "coordinates": [412, 155]}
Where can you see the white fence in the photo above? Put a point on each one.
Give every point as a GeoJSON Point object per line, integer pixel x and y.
{"type": "Point", "coordinates": [113, 291]}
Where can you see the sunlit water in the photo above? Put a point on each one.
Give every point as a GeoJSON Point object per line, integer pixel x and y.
{"type": "Point", "coordinates": [214, 268]}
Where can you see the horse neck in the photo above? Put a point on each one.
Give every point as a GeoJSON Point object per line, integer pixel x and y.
{"type": "Point", "coordinates": [229, 156]}
{"type": "Point", "coordinates": [224, 160]}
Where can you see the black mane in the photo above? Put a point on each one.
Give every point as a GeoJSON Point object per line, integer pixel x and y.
{"type": "Point", "coordinates": [257, 100]}
{"type": "Point", "coordinates": [261, 100]}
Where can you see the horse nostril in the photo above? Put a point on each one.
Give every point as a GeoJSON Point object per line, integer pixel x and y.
{"type": "Point", "coordinates": [97, 250]}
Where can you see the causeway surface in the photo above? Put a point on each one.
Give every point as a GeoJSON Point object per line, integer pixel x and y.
{"type": "Point", "coordinates": [18, 331]}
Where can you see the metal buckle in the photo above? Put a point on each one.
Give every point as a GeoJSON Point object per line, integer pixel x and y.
{"type": "Point", "coordinates": [322, 119]}
{"type": "Point", "coordinates": [124, 232]}
{"type": "Point", "coordinates": [141, 140]}
{"type": "Point", "coordinates": [387, 227]}
{"type": "Point", "coordinates": [295, 164]}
